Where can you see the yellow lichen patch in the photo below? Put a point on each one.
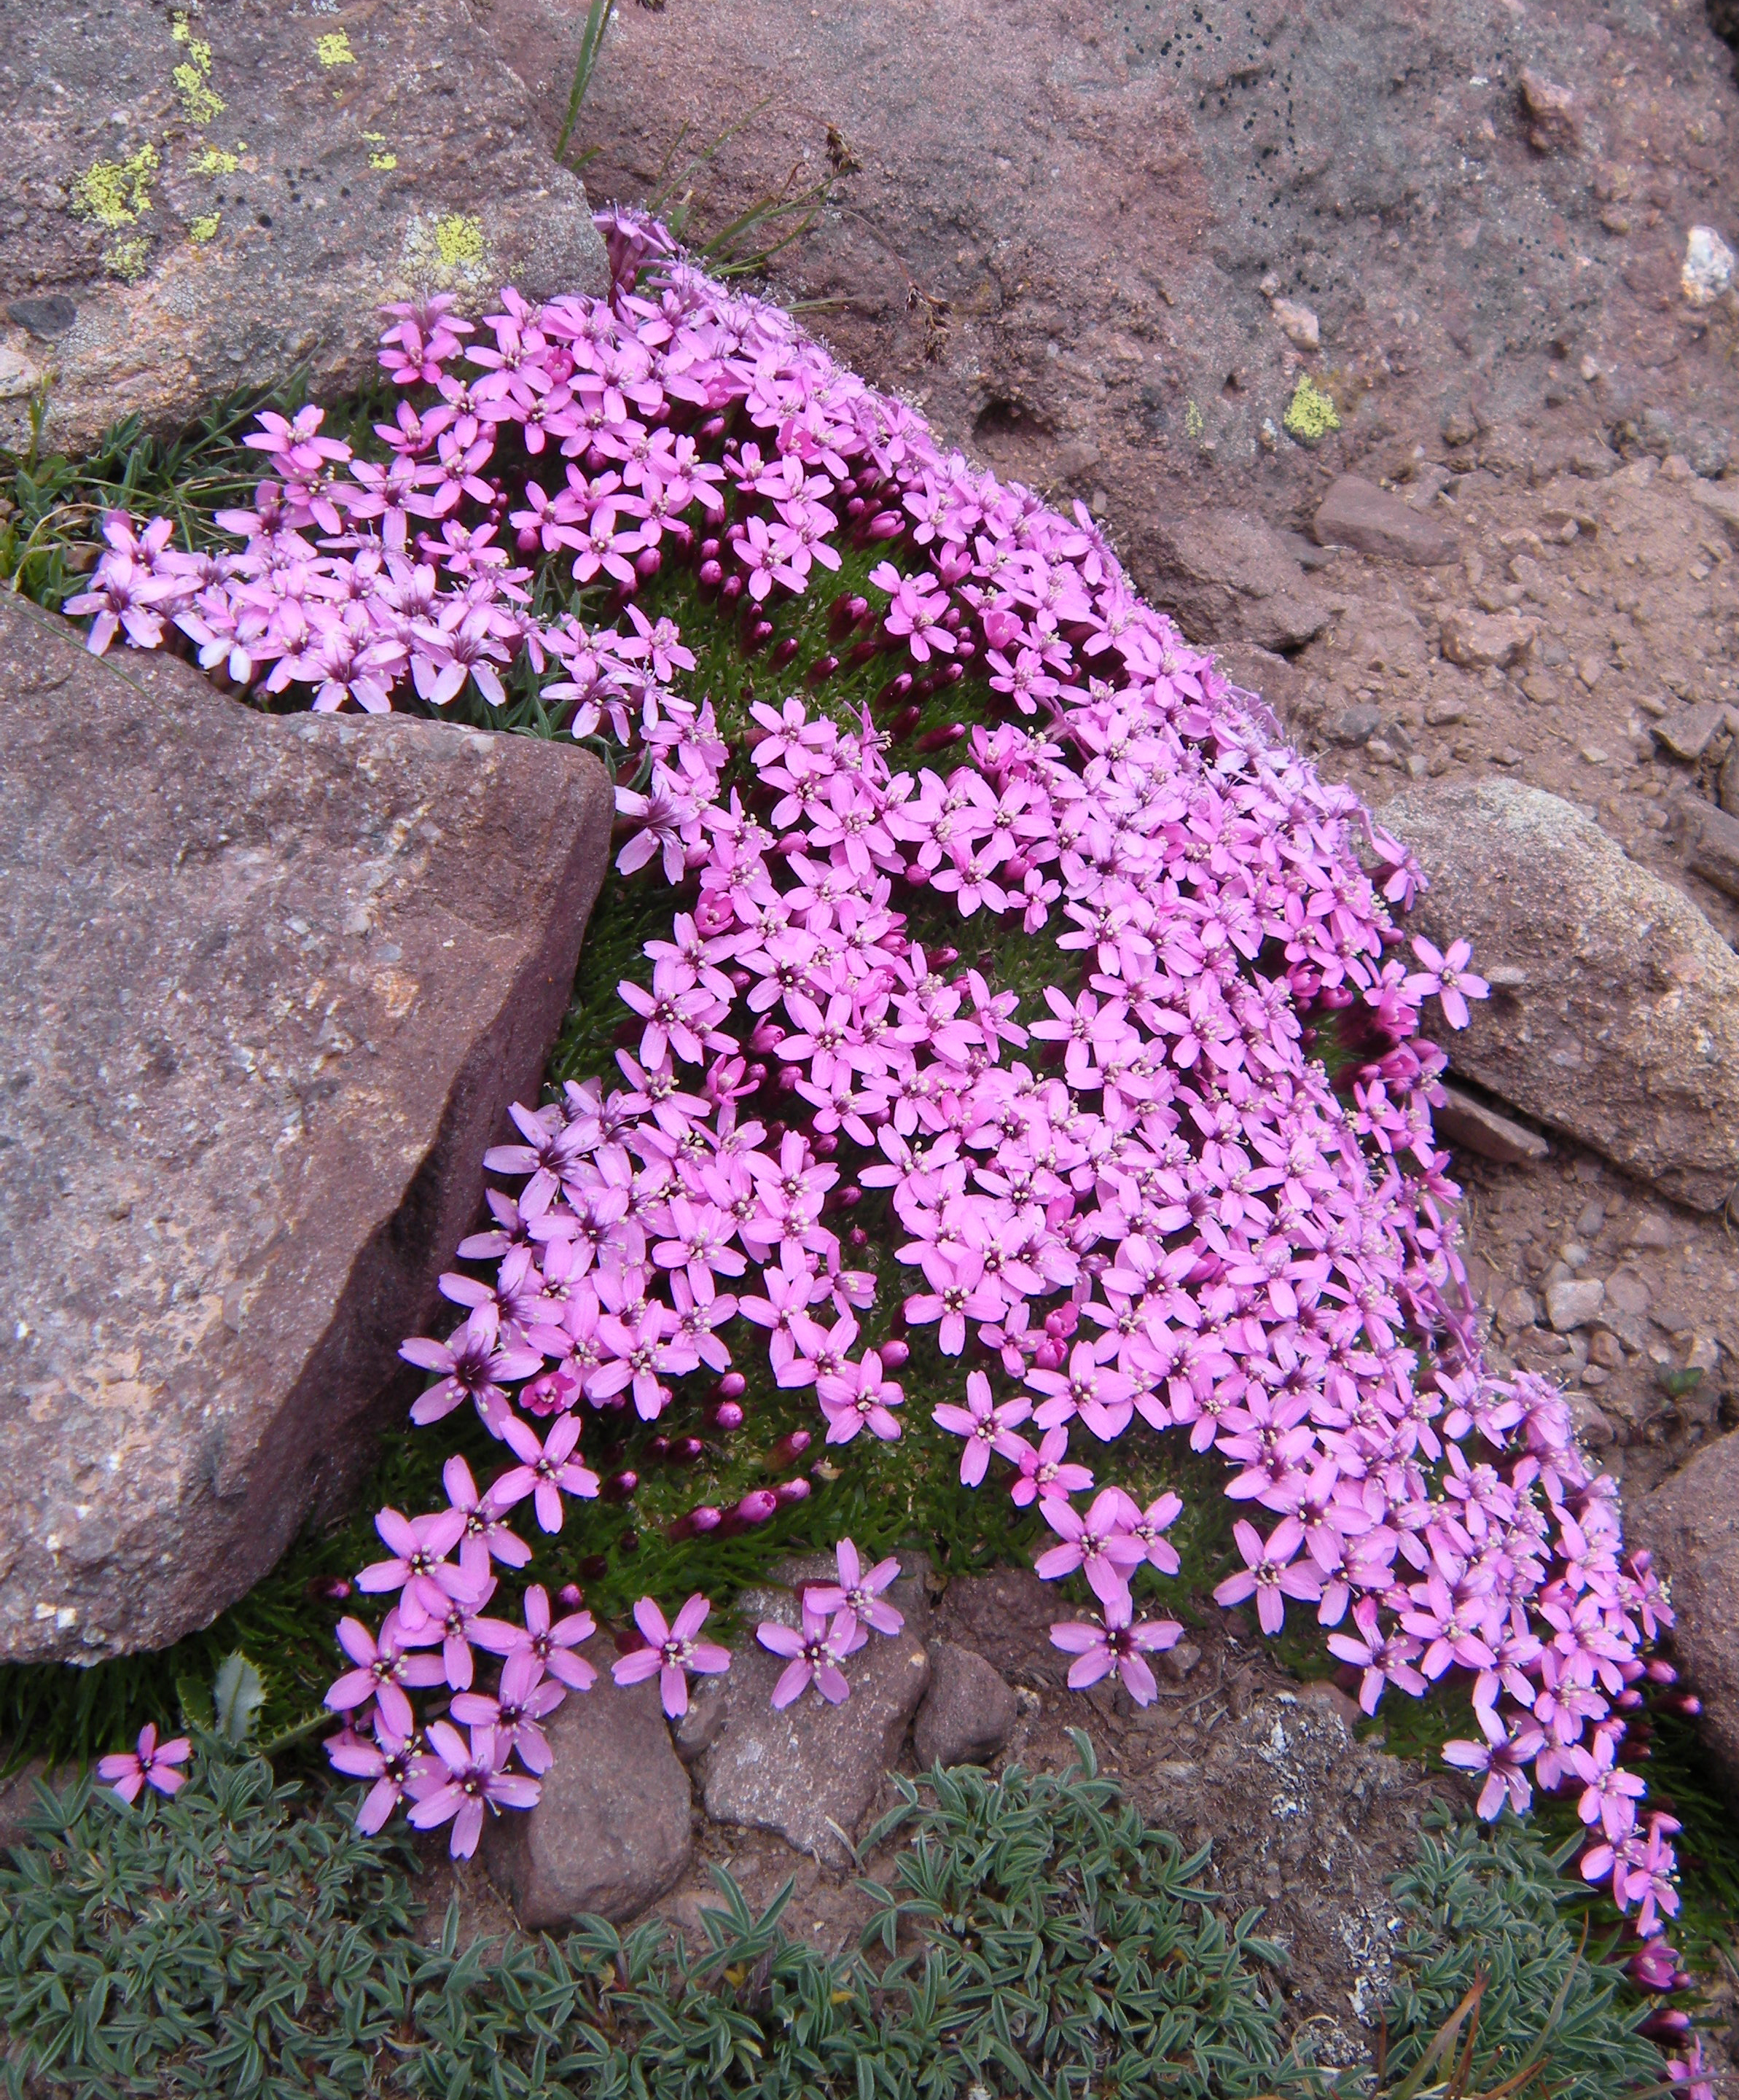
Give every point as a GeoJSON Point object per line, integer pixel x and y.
{"type": "Point", "coordinates": [213, 161]}
{"type": "Point", "coordinates": [204, 227]}
{"type": "Point", "coordinates": [383, 160]}
{"type": "Point", "coordinates": [129, 259]}
{"type": "Point", "coordinates": [334, 50]}
{"type": "Point", "coordinates": [1310, 413]}
{"type": "Point", "coordinates": [115, 192]}
{"type": "Point", "coordinates": [199, 103]}
{"type": "Point", "coordinates": [1195, 424]}
{"type": "Point", "coordinates": [459, 242]}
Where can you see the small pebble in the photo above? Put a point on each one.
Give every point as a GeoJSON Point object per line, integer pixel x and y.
{"type": "Point", "coordinates": [1594, 755]}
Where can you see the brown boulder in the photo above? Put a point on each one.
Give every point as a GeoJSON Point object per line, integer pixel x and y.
{"type": "Point", "coordinates": [613, 1830]}
{"type": "Point", "coordinates": [200, 209]}
{"type": "Point", "coordinates": [270, 984]}
{"type": "Point", "coordinates": [1618, 1019]}
{"type": "Point", "coordinates": [1227, 576]}
{"type": "Point", "coordinates": [1691, 1525]}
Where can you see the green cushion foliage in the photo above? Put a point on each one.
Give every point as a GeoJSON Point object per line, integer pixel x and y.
{"type": "Point", "coordinates": [1038, 1938]}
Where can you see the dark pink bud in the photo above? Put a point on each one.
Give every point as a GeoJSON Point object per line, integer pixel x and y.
{"type": "Point", "coordinates": [658, 1447]}
{"type": "Point", "coordinates": [713, 427]}
{"type": "Point", "coordinates": [686, 1450]}
{"type": "Point", "coordinates": [728, 1416]}
{"type": "Point", "coordinates": [570, 1595]}
{"type": "Point", "coordinates": [857, 1239]}
{"type": "Point", "coordinates": [329, 1588]}
{"type": "Point", "coordinates": [893, 1354]}
{"type": "Point", "coordinates": [648, 561]}
{"type": "Point", "coordinates": [782, 652]}
{"type": "Point", "coordinates": [895, 691]}
{"type": "Point", "coordinates": [820, 671]}
{"type": "Point", "coordinates": [758, 636]}
{"type": "Point", "coordinates": [755, 1076]}
{"type": "Point", "coordinates": [861, 652]}
{"type": "Point", "coordinates": [1049, 1356]}
{"type": "Point", "coordinates": [789, 1447]}
{"type": "Point", "coordinates": [527, 537]}
{"type": "Point", "coordinates": [731, 590]}
{"type": "Point", "coordinates": [767, 1036]}
{"type": "Point", "coordinates": [705, 1517]}
{"type": "Point", "coordinates": [619, 1486]}
{"type": "Point", "coordinates": [791, 1491]}
{"type": "Point", "coordinates": [732, 1385]}
{"type": "Point", "coordinates": [711, 576]}
{"type": "Point", "coordinates": [788, 1076]}
{"type": "Point", "coordinates": [902, 726]}
{"type": "Point", "coordinates": [756, 1506]}
{"type": "Point", "coordinates": [886, 525]}
{"type": "Point", "coordinates": [939, 739]}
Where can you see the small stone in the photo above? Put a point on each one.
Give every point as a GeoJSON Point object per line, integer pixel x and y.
{"type": "Point", "coordinates": [1517, 1308]}
{"type": "Point", "coordinates": [1593, 754]}
{"type": "Point", "coordinates": [1708, 842]}
{"type": "Point", "coordinates": [613, 1831]}
{"type": "Point", "coordinates": [1468, 1122]}
{"type": "Point", "coordinates": [1441, 714]}
{"type": "Point", "coordinates": [1357, 514]}
{"type": "Point", "coordinates": [1591, 1222]}
{"type": "Point", "coordinates": [1573, 1254]}
{"type": "Point", "coordinates": [1704, 1354]}
{"type": "Point", "coordinates": [1573, 1304]}
{"type": "Point", "coordinates": [1691, 1525]}
{"type": "Point", "coordinates": [969, 1713]}
{"type": "Point", "coordinates": [1594, 1374]}
{"type": "Point", "coordinates": [1176, 1663]}
{"type": "Point", "coordinates": [1687, 735]}
{"type": "Point", "coordinates": [44, 318]}
{"type": "Point", "coordinates": [1479, 641]}
{"type": "Point", "coordinates": [1708, 268]}
{"type": "Point", "coordinates": [1606, 1350]}
{"type": "Point", "coordinates": [1298, 323]}
{"type": "Point", "coordinates": [1652, 1230]}
{"type": "Point", "coordinates": [1627, 1291]}
{"type": "Point", "coordinates": [1554, 126]}
{"type": "Point", "coordinates": [1357, 726]}
{"type": "Point", "coordinates": [1591, 670]}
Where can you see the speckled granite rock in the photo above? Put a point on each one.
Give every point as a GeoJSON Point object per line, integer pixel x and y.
{"type": "Point", "coordinates": [200, 208]}
{"type": "Point", "coordinates": [266, 988]}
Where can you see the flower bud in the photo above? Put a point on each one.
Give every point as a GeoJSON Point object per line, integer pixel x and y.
{"type": "Point", "coordinates": [710, 577]}
{"type": "Point", "coordinates": [791, 1491]}
{"type": "Point", "coordinates": [570, 1595]}
{"type": "Point", "coordinates": [857, 1239]}
{"type": "Point", "coordinates": [902, 726]}
{"type": "Point", "coordinates": [705, 1517]}
{"type": "Point", "coordinates": [685, 1450]}
{"type": "Point", "coordinates": [939, 739]}
{"type": "Point", "coordinates": [789, 1447]}
{"type": "Point", "coordinates": [620, 1486]}
{"type": "Point", "coordinates": [727, 1416]}
{"type": "Point", "coordinates": [782, 652]}
{"type": "Point", "coordinates": [765, 1035]}
{"type": "Point", "coordinates": [820, 671]}
{"type": "Point", "coordinates": [895, 691]}
{"type": "Point", "coordinates": [648, 561]}
{"type": "Point", "coordinates": [894, 1353]}
{"type": "Point", "coordinates": [756, 1506]}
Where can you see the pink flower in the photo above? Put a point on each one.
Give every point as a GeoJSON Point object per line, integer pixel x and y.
{"type": "Point", "coordinates": [419, 1567]}
{"type": "Point", "coordinates": [546, 1469]}
{"type": "Point", "coordinates": [1502, 1758]}
{"type": "Point", "coordinates": [859, 1590]}
{"type": "Point", "coordinates": [387, 1760]}
{"type": "Point", "coordinates": [467, 1778]}
{"type": "Point", "coordinates": [526, 1697]}
{"type": "Point", "coordinates": [1046, 1471]}
{"type": "Point", "coordinates": [672, 1652]}
{"type": "Point", "coordinates": [149, 1763]}
{"type": "Point", "coordinates": [982, 1424]}
{"type": "Point", "coordinates": [550, 1644]}
{"type": "Point", "coordinates": [816, 1653]}
{"type": "Point", "coordinates": [1097, 1544]}
{"type": "Point", "coordinates": [857, 1397]}
{"type": "Point", "coordinates": [1449, 976]}
{"type": "Point", "coordinates": [1115, 1643]}
{"type": "Point", "coordinates": [384, 1666]}
{"type": "Point", "coordinates": [1270, 1574]}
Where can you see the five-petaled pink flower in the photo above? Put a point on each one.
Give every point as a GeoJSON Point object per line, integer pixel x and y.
{"type": "Point", "coordinates": [672, 1652]}
{"type": "Point", "coordinates": [149, 1763]}
{"type": "Point", "coordinates": [462, 1781]}
{"type": "Point", "coordinates": [814, 1654]}
{"type": "Point", "coordinates": [1270, 1574]}
{"type": "Point", "coordinates": [859, 1590]}
{"type": "Point", "coordinates": [1118, 1642]}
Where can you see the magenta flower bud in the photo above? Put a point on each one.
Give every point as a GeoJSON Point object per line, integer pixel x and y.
{"type": "Point", "coordinates": [964, 650]}
{"type": "Point", "coordinates": [648, 561]}
{"type": "Point", "coordinates": [711, 576]}
{"type": "Point", "coordinates": [620, 1486]}
{"type": "Point", "coordinates": [1016, 870]}
{"type": "Point", "coordinates": [820, 671]}
{"type": "Point", "coordinates": [904, 724]}
{"type": "Point", "coordinates": [732, 1385]}
{"type": "Point", "coordinates": [526, 538]}
{"type": "Point", "coordinates": [708, 550]}
{"type": "Point", "coordinates": [886, 525]}
{"type": "Point", "coordinates": [728, 1416]}
{"type": "Point", "coordinates": [825, 1146]}
{"type": "Point", "coordinates": [787, 1448]}
{"type": "Point", "coordinates": [925, 685]}
{"type": "Point", "coordinates": [943, 957]}
{"type": "Point", "coordinates": [571, 1596]}
{"type": "Point", "coordinates": [893, 1354]}
{"type": "Point", "coordinates": [658, 1447]}
{"type": "Point", "coordinates": [704, 1517]}
{"type": "Point", "coordinates": [917, 874]}
{"type": "Point", "coordinates": [686, 1450]}
{"type": "Point", "coordinates": [713, 427]}
{"type": "Point", "coordinates": [861, 652]}
{"type": "Point", "coordinates": [939, 739]}
{"type": "Point", "coordinates": [755, 1076]}
{"type": "Point", "coordinates": [855, 507]}
{"type": "Point", "coordinates": [841, 615]}
{"type": "Point", "coordinates": [767, 1036]}
{"type": "Point", "coordinates": [1691, 1705]}
{"type": "Point", "coordinates": [740, 980]}
{"type": "Point", "coordinates": [788, 1076]}
{"type": "Point", "coordinates": [850, 1196]}
{"type": "Point", "coordinates": [792, 1491]}
{"type": "Point", "coordinates": [783, 652]}
{"type": "Point", "coordinates": [895, 691]}
{"type": "Point", "coordinates": [756, 1506]}
{"type": "Point", "coordinates": [731, 590]}
{"type": "Point", "coordinates": [951, 674]}
{"type": "Point", "coordinates": [1049, 1357]}
{"type": "Point", "coordinates": [857, 1239]}
{"type": "Point", "coordinates": [758, 636]}
{"type": "Point", "coordinates": [329, 1588]}
{"type": "Point", "coordinates": [1661, 1672]}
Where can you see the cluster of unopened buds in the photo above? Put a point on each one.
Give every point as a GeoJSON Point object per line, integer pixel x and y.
{"type": "Point", "coordinates": [1196, 1193]}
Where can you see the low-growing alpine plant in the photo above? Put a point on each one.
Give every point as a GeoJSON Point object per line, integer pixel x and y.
{"type": "Point", "coordinates": [1182, 1185]}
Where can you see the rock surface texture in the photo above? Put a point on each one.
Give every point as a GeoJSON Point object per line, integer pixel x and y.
{"type": "Point", "coordinates": [1618, 1017]}
{"type": "Point", "coordinates": [1691, 1525]}
{"type": "Point", "coordinates": [969, 1713]}
{"type": "Point", "coordinates": [269, 988]}
{"type": "Point", "coordinates": [613, 1830]}
{"type": "Point", "coordinates": [198, 209]}
{"type": "Point", "coordinates": [803, 1771]}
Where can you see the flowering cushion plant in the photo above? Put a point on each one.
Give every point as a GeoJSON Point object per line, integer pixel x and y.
{"type": "Point", "coordinates": [1155, 1166]}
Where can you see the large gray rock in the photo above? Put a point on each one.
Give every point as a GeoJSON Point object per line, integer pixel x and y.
{"type": "Point", "coordinates": [191, 214]}
{"type": "Point", "coordinates": [614, 1829]}
{"type": "Point", "coordinates": [1691, 1525]}
{"type": "Point", "coordinates": [268, 987]}
{"type": "Point", "coordinates": [1621, 1023]}
{"type": "Point", "coordinates": [813, 1766]}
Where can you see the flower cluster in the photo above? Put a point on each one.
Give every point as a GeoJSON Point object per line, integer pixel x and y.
{"type": "Point", "coordinates": [1193, 1192]}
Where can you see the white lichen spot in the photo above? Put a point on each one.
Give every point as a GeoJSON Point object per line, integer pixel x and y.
{"type": "Point", "coordinates": [1708, 270]}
